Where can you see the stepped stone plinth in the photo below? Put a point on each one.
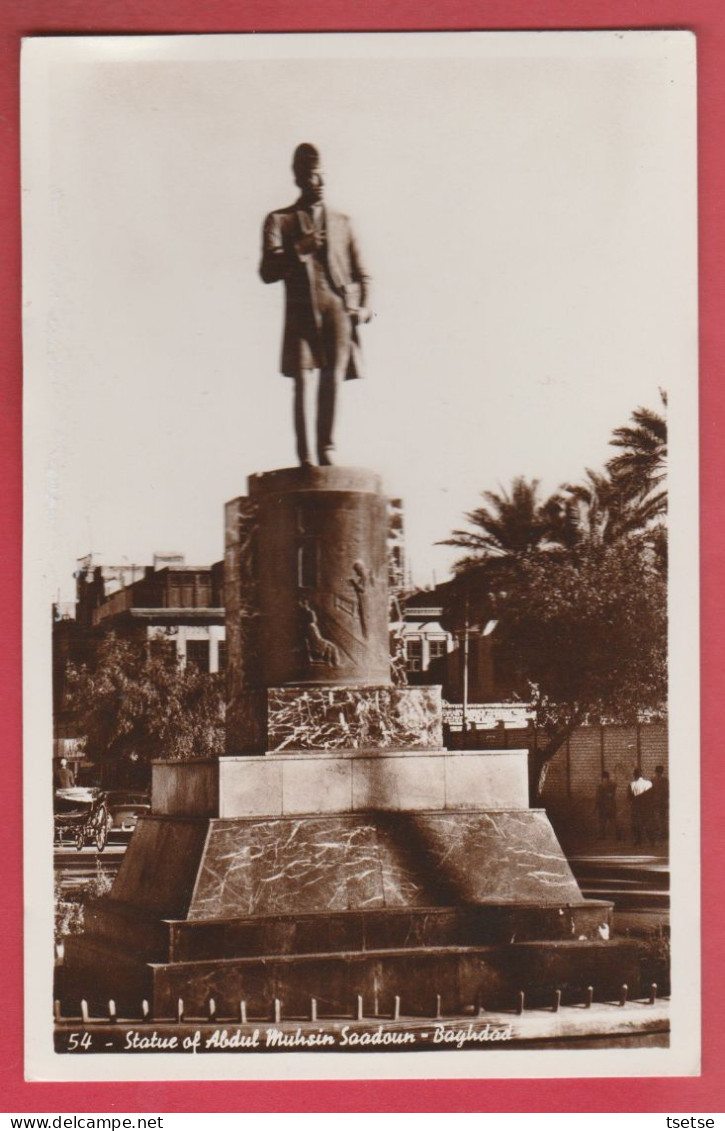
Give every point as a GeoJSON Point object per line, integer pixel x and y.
{"type": "Point", "coordinates": [336, 849]}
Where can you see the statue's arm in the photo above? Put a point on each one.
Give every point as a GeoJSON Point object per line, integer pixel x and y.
{"type": "Point", "coordinates": [359, 271]}
{"type": "Point", "coordinates": [276, 260]}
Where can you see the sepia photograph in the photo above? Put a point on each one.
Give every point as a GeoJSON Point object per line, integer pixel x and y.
{"type": "Point", "coordinates": [361, 606]}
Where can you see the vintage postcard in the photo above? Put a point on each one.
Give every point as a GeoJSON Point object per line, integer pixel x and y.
{"type": "Point", "coordinates": [361, 656]}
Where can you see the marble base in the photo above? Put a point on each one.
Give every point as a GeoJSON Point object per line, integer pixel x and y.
{"type": "Point", "coordinates": [341, 782]}
{"type": "Point", "coordinates": [207, 869]}
{"type": "Point", "coordinates": [467, 904]}
{"type": "Point", "coordinates": [363, 717]}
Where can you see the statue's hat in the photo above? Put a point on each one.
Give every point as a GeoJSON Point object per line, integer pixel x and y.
{"type": "Point", "coordinates": [304, 156]}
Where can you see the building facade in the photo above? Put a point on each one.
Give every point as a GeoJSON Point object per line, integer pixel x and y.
{"type": "Point", "coordinates": [434, 654]}
{"type": "Point", "coordinates": [167, 601]}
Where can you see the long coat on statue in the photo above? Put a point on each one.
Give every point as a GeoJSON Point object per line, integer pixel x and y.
{"type": "Point", "coordinates": [283, 230]}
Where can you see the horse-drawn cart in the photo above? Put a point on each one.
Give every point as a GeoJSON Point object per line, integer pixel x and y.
{"type": "Point", "coordinates": [81, 815]}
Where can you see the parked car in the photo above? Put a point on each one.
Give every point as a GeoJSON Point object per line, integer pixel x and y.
{"type": "Point", "coordinates": [124, 810]}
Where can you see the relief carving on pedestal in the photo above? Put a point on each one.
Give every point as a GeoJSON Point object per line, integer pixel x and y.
{"type": "Point", "coordinates": [335, 628]}
{"type": "Point", "coordinates": [361, 581]}
{"type": "Point", "coordinates": [319, 650]}
{"type": "Point", "coordinates": [248, 590]}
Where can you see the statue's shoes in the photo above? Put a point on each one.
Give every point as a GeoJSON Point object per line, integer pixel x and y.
{"type": "Point", "coordinates": [326, 459]}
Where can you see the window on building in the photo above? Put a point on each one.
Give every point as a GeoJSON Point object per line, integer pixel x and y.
{"type": "Point", "coordinates": [222, 652]}
{"type": "Point", "coordinates": [437, 648]}
{"type": "Point", "coordinates": [181, 596]}
{"type": "Point", "coordinates": [414, 654]}
{"type": "Point", "coordinates": [197, 654]}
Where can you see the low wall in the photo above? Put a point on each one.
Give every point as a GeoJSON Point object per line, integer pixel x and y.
{"type": "Point", "coordinates": [575, 771]}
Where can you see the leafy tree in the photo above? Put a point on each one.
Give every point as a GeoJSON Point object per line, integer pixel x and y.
{"type": "Point", "coordinates": [589, 636]}
{"type": "Point", "coordinates": [577, 584]}
{"type": "Point", "coordinates": [136, 700]}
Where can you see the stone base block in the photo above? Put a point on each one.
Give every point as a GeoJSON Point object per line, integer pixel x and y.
{"type": "Point", "coordinates": [334, 718]}
{"type": "Point", "coordinates": [193, 868]}
{"type": "Point", "coordinates": [490, 977]}
{"type": "Point", "coordinates": [468, 905]}
{"type": "Point", "coordinates": [297, 784]}
{"type": "Point", "coordinates": [149, 939]}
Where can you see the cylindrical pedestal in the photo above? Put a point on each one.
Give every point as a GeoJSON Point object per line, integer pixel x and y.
{"type": "Point", "coordinates": [321, 586]}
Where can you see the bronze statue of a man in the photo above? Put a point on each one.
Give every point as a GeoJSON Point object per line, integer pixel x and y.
{"type": "Point", "coordinates": [327, 296]}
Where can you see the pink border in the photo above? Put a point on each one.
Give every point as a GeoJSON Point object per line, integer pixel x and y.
{"type": "Point", "coordinates": [707, 19]}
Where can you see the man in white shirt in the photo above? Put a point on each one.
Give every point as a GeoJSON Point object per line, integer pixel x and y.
{"type": "Point", "coordinates": [640, 798]}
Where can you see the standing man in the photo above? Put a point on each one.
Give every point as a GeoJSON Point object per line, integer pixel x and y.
{"type": "Point", "coordinates": [605, 804]}
{"type": "Point", "coordinates": [661, 802]}
{"type": "Point", "coordinates": [65, 776]}
{"type": "Point", "coordinates": [640, 797]}
{"type": "Point", "coordinates": [314, 251]}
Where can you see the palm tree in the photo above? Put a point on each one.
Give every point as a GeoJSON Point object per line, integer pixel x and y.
{"type": "Point", "coordinates": [641, 467]}
{"type": "Point", "coordinates": [513, 527]}
{"type": "Point", "coordinates": [514, 524]}
{"type": "Point", "coordinates": [599, 512]}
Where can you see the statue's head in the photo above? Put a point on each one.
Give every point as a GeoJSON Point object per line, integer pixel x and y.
{"type": "Point", "coordinates": [307, 169]}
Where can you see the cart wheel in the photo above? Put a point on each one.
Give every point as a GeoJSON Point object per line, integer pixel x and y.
{"type": "Point", "coordinates": [101, 834]}
{"type": "Point", "coordinates": [80, 838]}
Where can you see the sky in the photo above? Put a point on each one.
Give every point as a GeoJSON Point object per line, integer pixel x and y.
{"type": "Point", "coordinates": [526, 206]}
